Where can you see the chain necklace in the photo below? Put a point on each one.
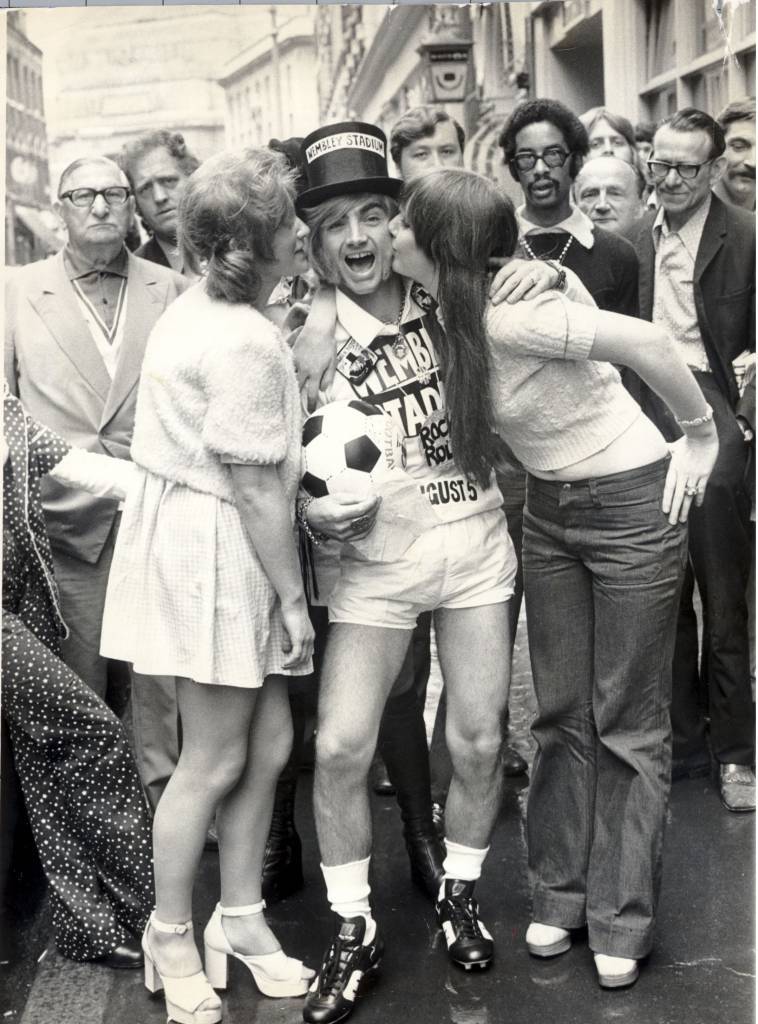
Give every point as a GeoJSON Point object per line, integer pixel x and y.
{"type": "Point", "coordinates": [399, 345]}
{"type": "Point", "coordinates": [559, 259]}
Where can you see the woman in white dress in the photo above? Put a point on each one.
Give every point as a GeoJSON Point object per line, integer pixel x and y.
{"type": "Point", "coordinates": [206, 584]}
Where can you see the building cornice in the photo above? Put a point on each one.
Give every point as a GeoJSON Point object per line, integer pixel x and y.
{"type": "Point", "coordinates": [379, 57]}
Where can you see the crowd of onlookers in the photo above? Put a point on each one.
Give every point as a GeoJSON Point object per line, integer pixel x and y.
{"type": "Point", "coordinates": [152, 444]}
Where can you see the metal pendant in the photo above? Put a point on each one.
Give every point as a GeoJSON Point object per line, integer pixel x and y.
{"type": "Point", "coordinates": [400, 346]}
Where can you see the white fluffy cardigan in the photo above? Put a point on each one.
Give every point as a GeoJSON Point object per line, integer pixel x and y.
{"type": "Point", "coordinates": [218, 386]}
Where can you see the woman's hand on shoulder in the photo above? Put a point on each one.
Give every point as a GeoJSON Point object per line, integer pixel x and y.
{"type": "Point", "coordinates": [297, 624]}
{"type": "Point", "coordinates": [692, 462]}
{"type": "Point", "coordinates": [522, 279]}
{"type": "Point", "coordinates": [343, 517]}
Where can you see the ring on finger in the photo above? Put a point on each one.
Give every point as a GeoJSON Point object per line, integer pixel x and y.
{"type": "Point", "coordinates": [691, 491]}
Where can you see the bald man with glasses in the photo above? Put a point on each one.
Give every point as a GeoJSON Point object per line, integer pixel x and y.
{"type": "Point", "coordinates": [76, 328]}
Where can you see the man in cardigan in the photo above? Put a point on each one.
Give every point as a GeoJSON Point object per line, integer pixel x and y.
{"type": "Point", "coordinates": [76, 328]}
{"type": "Point", "coordinates": [697, 279]}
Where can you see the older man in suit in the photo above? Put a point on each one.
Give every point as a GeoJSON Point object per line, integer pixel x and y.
{"type": "Point", "coordinates": [76, 328]}
{"type": "Point", "coordinates": [697, 279]}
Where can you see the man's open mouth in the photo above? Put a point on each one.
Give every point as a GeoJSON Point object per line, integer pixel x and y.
{"type": "Point", "coordinates": [360, 262]}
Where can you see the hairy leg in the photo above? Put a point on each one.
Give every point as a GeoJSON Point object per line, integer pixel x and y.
{"type": "Point", "coordinates": [361, 664]}
{"type": "Point", "coordinates": [474, 652]}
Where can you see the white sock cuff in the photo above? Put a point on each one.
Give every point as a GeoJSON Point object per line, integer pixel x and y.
{"type": "Point", "coordinates": [347, 887]}
{"type": "Point", "coordinates": [464, 862]}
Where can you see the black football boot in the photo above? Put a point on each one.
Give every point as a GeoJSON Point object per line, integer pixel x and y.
{"type": "Point", "coordinates": [342, 975]}
{"type": "Point", "coordinates": [469, 944]}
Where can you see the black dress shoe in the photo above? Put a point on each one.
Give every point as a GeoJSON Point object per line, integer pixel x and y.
{"type": "Point", "coordinates": [469, 944]}
{"type": "Point", "coordinates": [343, 974]}
{"type": "Point", "coordinates": [126, 957]}
{"type": "Point", "coordinates": [513, 763]}
{"type": "Point", "coordinates": [426, 854]}
{"type": "Point", "coordinates": [380, 780]}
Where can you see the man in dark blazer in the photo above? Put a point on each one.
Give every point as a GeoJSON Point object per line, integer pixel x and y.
{"type": "Point", "coordinates": [76, 328]}
{"type": "Point", "coordinates": [697, 279]}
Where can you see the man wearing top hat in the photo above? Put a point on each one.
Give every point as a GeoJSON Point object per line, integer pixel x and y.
{"type": "Point", "coordinates": [455, 558]}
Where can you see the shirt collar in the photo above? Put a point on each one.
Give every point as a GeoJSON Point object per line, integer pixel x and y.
{"type": "Point", "coordinates": [690, 233]}
{"type": "Point", "coordinates": [577, 224]}
{"type": "Point", "coordinates": [76, 266]}
{"type": "Point", "coordinates": [359, 324]}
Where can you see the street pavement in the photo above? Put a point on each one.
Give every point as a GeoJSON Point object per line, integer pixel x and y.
{"type": "Point", "coordinates": [702, 970]}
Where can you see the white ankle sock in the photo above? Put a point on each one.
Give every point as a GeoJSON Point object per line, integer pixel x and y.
{"type": "Point", "coordinates": [464, 862]}
{"type": "Point", "coordinates": [347, 890]}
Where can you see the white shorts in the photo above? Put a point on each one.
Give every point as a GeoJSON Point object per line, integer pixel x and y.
{"type": "Point", "coordinates": [464, 564]}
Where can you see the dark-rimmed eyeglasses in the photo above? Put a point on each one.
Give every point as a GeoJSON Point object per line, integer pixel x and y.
{"type": "Point", "coordinates": [660, 168]}
{"type": "Point", "coordinates": [115, 195]}
{"type": "Point", "coordinates": [553, 156]}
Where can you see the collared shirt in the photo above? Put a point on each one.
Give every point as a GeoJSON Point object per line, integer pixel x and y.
{"type": "Point", "coordinates": [674, 293]}
{"type": "Point", "coordinates": [101, 296]}
{"type": "Point", "coordinates": [577, 224]}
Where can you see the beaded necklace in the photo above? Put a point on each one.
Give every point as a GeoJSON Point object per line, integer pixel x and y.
{"type": "Point", "coordinates": [559, 259]}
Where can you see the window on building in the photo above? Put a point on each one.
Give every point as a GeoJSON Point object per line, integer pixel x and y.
{"type": "Point", "coordinates": [12, 78]}
{"type": "Point", "coordinates": [747, 61]}
{"type": "Point", "coordinates": [707, 28]}
{"type": "Point", "coordinates": [660, 104]}
{"type": "Point", "coordinates": [709, 90]}
{"type": "Point", "coordinates": [661, 36]}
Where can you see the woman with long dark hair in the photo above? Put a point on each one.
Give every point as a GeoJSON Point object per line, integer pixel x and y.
{"type": "Point", "coordinates": [604, 553]}
{"type": "Point", "coordinates": [205, 583]}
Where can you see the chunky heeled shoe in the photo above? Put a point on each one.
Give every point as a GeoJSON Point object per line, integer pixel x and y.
{"type": "Point", "coordinates": [275, 974]}
{"type": "Point", "coordinates": [615, 971]}
{"type": "Point", "coordinates": [184, 996]}
{"type": "Point", "coordinates": [547, 940]}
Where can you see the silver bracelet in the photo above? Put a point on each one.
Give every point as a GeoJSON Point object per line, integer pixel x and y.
{"type": "Point", "coordinates": [301, 514]}
{"type": "Point", "coordinates": [699, 421]}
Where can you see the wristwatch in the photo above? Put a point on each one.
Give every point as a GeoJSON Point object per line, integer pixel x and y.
{"type": "Point", "coordinates": [562, 283]}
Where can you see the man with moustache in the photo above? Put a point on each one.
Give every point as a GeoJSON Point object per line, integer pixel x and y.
{"type": "Point", "coordinates": [76, 328]}
{"type": "Point", "coordinates": [544, 146]}
{"type": "Point", "coordinates": [157, 163]}
{"type": "Point", "coordinates": [737, 184]}
{"type": "Point", "coordinates": [697, 279]}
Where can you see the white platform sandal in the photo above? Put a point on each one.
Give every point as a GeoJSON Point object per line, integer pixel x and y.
{"type": "Point", "coordinates": [184, 996]}
{"type": "Point", "coordinates": [275, 974]}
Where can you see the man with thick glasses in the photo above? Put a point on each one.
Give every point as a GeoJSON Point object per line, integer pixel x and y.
{"type": "Point", "coordinates": [76, 328]}
{"type": "Point", "coordinates": [697, 279]}
{"type": "Point", "coordinates": [544, 145]}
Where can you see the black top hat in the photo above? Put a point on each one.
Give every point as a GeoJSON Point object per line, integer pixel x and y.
{"type": "Point", "coordinates": [344, 158]}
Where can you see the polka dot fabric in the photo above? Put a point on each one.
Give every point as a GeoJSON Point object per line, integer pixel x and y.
{"type": "Point", "coordinates": [80, 784]}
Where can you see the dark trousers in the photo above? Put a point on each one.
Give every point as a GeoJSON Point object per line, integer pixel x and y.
{"type": "Point", "coordinates": [719, 549]}
{"type": "Point", "coordinates": [83, 796]}
{"type": "Point", "coordinates": [602, 575]}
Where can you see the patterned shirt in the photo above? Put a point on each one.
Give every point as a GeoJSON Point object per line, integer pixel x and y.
{"type": "Point", "coordinates": [674, 294]}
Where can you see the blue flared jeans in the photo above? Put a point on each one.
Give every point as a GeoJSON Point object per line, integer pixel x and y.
{"type": "Point", "coordinates": [602, 575]}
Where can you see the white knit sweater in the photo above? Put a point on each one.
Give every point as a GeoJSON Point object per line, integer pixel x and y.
{"type": "Point", "coordinates": [218, 386]}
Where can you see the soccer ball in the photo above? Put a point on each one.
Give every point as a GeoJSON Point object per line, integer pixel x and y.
{"type": "Point", "coordinates": [344, 445]}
